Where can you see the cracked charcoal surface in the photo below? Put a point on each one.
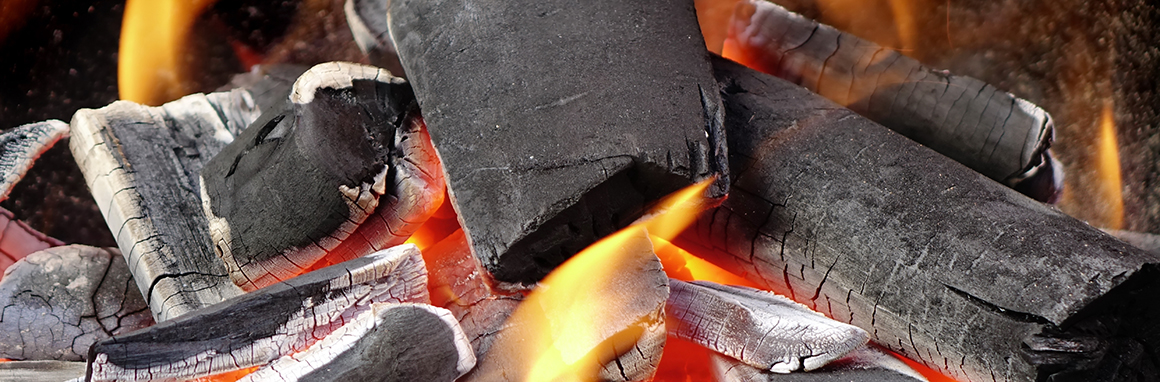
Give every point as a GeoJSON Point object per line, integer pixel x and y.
{"type": "Point", "coordinates": [59, 301]}
{"type": "Point", "coordinates": [545, 148]}
{"type": "Point", "coordinates": [935, 261]}
{"type": "Point", "coordinates": [867, 364]}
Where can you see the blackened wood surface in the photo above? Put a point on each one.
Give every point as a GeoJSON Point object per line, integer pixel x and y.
{"type": "Point", "coordinates": [259, 327]}
{"type": "Point", "coordinates": [557, 121]}
{"type": "Point", "coordinates": [936, 261]}
{"type": "Point", "coordinates": [21, 146]}
{"type": "Point", "coordinates": [141, 165]}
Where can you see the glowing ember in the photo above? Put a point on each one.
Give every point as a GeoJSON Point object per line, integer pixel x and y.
{"type": "Point", "coordinates": [153, 35]}
{"type": "Point", "coordinates": [1111, 185]}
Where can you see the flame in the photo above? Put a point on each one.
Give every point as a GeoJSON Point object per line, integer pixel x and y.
{"type": "Point", "coordinates": [682, 265]}
{"type": "Point", "coordinates": [153, 35]}
{"type": "Point", "coordinates": [1111, 184]}
{"type": "Point", "coordinates": [905, 23]}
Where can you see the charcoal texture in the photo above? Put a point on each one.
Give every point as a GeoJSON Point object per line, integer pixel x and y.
{"type": "Point", "coordinates": [558, 121]}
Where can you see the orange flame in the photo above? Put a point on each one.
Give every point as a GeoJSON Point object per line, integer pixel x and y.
{"type": "Point", "coordinates": [1111, 184]}
{"type": "Point", "coordinates": [153, 34]}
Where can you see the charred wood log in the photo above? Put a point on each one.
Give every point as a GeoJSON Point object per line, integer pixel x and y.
{"type": "Point", "coordinates": [391, 342]}
{"type": "Point", "coordinates": [256, 328]}
{"type": "Point", "coordinates": [991, 131]}
{"type": "Point", "coordinates": [935, 261]}
{"type": "Point", "coordinates": [547, 149]}
{"type": "Point", "coordinates": [341, 168]}
{"type": "Point", "coordinates": [622, 341]}
{"type": "Point", "coordinates": [759, 328]}
{"type": "Point", "coordinates": [867, 364]}
{"type": "Point", "coordinates": [141, 165]}
{"type": "Point", "coordinates": [40, 371]}
{"type": "Point", "coordinates": [56, 303]}
{"type": "Point", "coordinates": [20, 147]}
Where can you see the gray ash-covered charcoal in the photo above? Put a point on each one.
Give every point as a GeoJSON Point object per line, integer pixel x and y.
{"type": "Point", "coordinates": [867, 364]}
{"type": "Point", "coordinates": [57, 302]}
{"type": "Point", "coordinates": [557, 122]}
{"type": "Point", "coordinates": [20, 146]}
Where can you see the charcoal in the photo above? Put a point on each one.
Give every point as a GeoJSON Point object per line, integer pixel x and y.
{"type": "Point", "coordinates": [982, 127]}
{"type": "Point", "coordinates": [40, 371]}
{"type": "Point", "coordinates": [867, 364]}
{"type": "Point", "coordinates": [256, 328]}
{"type": "Point", "coordinates": [557, 122]}
{"type": "Point", "coordinates": [935, 261]}
{"type": "Point", "coordinates": [20, 146]}
{"type": "Point", "coordinates": [57, 302]}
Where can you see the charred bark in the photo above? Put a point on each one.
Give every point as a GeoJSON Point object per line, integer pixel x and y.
{"type": "Point", "coordinates": [558, 121]}
{"type": "Point", "coordinates": [991, 131]}
{"type": "Point", "coordinates": [937, 262]}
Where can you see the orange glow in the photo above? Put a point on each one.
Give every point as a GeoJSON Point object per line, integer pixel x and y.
{"type": "Point", "coordinates": [1111, 184]}
{"type": "Point", "coordinates": [713, 15]}
{"type": "Point", "coordinates": [905, 23]}
{"type": "Point", "coordinates": [682, 265]}
{"type": "Point", "coordinates": [229, 376]}
{"type": "Point", "coordinates": [931, 375]}
{"type": "Point", "coordinates": [153, 34]}
{"type": "Point", "coordinates": [684, 361]}
{"type": "Point", "coordinates": [439, 226]}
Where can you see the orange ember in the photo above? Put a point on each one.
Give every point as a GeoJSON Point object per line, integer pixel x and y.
{"type": "Point", "coordinates": [228, 376]}
{"type": "Point", "coordinates": [1110, 182]}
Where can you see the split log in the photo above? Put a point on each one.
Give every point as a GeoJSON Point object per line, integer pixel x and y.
{"type": "Point", "coordinates": [339, 169]}
{"type": "Point", "coordinates": [41, 371]}
{"type": "Point", "coordinates": [759, 328]}
{"type": "Point", "coordinates": [390, 342]}
{"type": "Point", "coordinates": [603, 322]}
{"type": "Point", "coordinates": [20, 146]}
{"type": "Point", "coordinates": [141, 164]}
{"type": "Point", "coordinates": [867, 364]}
{"type": "Point", "coordinates": [461, 285]}
{"type": "Point", "coordinates": [256, 328]}
{"type": "Point", "coordinates": [557, 122]}
{"type": "Point", "coordinates": [56, 303]}
{"type": "Point", "coordinates": [935, 261]}
{"type": "Point", "coordinates": [991, 131]}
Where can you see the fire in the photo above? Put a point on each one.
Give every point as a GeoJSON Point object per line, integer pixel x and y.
{"type": "Point", "coordinates": [1110, 182]}
{"type": "Point", "coordinates": [153, 35]}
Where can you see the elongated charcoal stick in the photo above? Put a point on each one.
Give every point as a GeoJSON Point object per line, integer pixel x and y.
{"type": "Point", "coordinates": [987, 129]}
{"type": "Point", "coordinates": [935, 261]}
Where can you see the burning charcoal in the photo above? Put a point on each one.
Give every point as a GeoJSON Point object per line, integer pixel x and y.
{"type": "Point", "coordinates": [599, 316]}
{"type": "Point", "coordinates": [59, 301]}
{"type": "Point", "coordinates": [19, 148]}
{"type": "Point", "coordinates": [989, 130]}
{"type": "Point", "coordinates": [459, 284]}
{"type": "Point", "coordinates": [557, 122]}
{"type": "Point", "coordinates": [759, 328]}
{"type": "Point", "coordinates": [259, 327]}
{"type": "Point", "coordinates": [391, 342]}
{"type": "Point", "coordinates": [141, 164]}
{"type": "Point", "coordinates": [340, 169]}
{"type": "Point", "coordinates": [935, 261]}
{"type": "Point", "coordinates": [40, 371]}
{"type": "Point", "coordinates": [867, 364]}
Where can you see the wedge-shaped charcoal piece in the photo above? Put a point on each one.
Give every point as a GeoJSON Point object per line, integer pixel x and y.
{"type": "Point", "coordinates": [989, 130]}
{"type": "Point", "coordinates": [935, 261]}
{"type": "Point", "coordinates": [600, 316]}
{"type": "Point", "coordinates": [141, 164]}
{"type": "Point", "coordinates": [461, 285]}
{"type": "Point", "coordinates": [759, 328]}
{"type": "Point", "coordinates": [390, 342]}
{"type": "Point", "coordinates": [40, 371]}
{"type": "Point", "coordinates": [259, 327]}
{"type": "Point", "coordinates": [56, 303]}
{"type": "Point", "coordinates": [558, 121]}
{"type": "Point", "coordinates": [18, 240]}
{"type": "Point", "coordinates": [867, 364]}
{"type": "Point", "coordinates": [343, 167]}
{"type": "Point", "coordinates": [20, 146]}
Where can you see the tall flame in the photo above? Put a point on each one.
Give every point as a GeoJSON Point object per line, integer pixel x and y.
{"type": "Point", "coordinates": [153, 35]}
{"type": "Point", "coordinates": [564, 314]}
{"type": "Point", "coordinates": [1111, 184]}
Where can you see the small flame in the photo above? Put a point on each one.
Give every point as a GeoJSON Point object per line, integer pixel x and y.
{"type": "Point", "coordinates": [564, 316]}
{"type": "Point", "coordinates": [153, 34]}
{"type": "Point", "coordinates": [905, 23]}
{"type": "Point", "coordinates": [1111, 184]}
